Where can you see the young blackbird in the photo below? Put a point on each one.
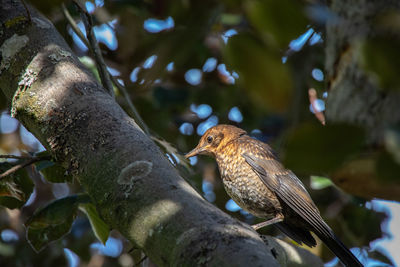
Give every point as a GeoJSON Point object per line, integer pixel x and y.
{"type": "Point", "coordinates": [256, 180]}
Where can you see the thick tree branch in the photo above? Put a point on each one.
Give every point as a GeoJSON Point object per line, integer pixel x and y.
{"type": "Point", "coordinates": [134, 187]}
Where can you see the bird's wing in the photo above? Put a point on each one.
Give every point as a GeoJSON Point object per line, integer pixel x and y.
{"type": "Point", "coordinates": [289, 189]}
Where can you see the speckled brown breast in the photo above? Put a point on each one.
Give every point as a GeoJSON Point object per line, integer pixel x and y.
{"type": "Point", "coordinates": [243, 185]}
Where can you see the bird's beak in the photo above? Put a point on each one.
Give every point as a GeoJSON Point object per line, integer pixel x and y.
{"type": "Point", "coordinates": [194, 152]}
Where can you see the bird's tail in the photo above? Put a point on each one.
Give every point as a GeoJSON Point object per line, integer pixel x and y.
{"type": "Point", "coordinates": [339, 249]}
{"type": "Point", "coordinates": [298, 234]}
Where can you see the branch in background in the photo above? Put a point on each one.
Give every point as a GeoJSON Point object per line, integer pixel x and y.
{"type": "Point", "coordinates": [75, 27]}
{"type": "Point", "coordinates": [29, 161]}
{"type": "Point", "coordinates": [101, 65]}
{"type": "Point", "coordinates": [134, 113]}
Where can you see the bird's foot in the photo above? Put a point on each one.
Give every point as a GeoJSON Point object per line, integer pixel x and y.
{"type": "Point", "coordinates": [277, 219]}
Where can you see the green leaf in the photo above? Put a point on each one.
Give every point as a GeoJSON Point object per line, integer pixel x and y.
{"type": "Point", "coordinates": [53, 221]}
{"type": "Point", "coordinates": [16, 188]}
{"type": "Point", "coordinates": [261, 71]}
{"type": "Point", "coordinates": [319, 182]}
{"type": "Point", "coordinates": [38, 238]}
{"type": "Point", "coordinates": [100, 228]}
{"type": "Point", "coordinates": [53, 172]}
{"type": "Point", "coordinates": [313, 148]}
{"type": "Point", "coordinates": [56, 211]}
{"type": "Point", "coordinates": [363, 223]}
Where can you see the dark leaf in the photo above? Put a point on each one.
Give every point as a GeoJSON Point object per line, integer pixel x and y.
{"type": "Point", "coordinates": [16, 188]}
{"type": "Point", "coordinates": [364, 223]}
{"type": "Point", "coordinates": [53, 221]}
{"type": "Point", "coordinates": [314, 148]}
{"type": "Point", "coordinates": [381, 56]}
{"type": "Point", "coordinates": [377, 255]}
{"type": "Point", "coordinates": [56, 211]}
{"type": "Point", "coordinates": [283, 20]}
{"type": "Point", "coordinates": [43, 154]}
{"type": "Point", "coordinates": [360, 177]}
{"type": "Point", "coordinates": [41, 237]}
{"type": "Point", "coordinates": [53, 172]}
{"type": "Point", "coordinates": [387, 169]}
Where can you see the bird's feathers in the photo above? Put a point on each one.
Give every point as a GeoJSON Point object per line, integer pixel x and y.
{"type": "Point", "coordinates": [289, 189]}
{"type": "Point", "coordinates": [298, 234]}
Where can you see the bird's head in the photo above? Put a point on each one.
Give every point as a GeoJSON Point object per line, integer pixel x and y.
{"type": "Point", "coordinates": [214, 139]}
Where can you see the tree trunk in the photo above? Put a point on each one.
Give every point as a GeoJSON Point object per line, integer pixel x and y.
{"type": "Point", "coordinates": [360, 96]}
{"type": "Point", "coordinates": [134, 187]}
{"type": "Point", "coordinates": [355, 96]}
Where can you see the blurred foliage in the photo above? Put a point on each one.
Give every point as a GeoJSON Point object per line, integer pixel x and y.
{"type": "Point", "coordinates": [312, 148]}
{"type": "Point", "coordinates": [278, 22]}
{"type": "Point", "coordinates": [267, 80]}
{"type": "Point", "coordinates": [270, 95]}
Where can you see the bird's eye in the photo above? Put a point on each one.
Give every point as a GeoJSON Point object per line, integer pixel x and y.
{"type": "Point", "coordinates": [209, 139]}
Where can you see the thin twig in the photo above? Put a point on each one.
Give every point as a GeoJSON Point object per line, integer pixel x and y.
{"type": "Point", "coordinates": [75, 27]}
{"type": "Point", "coordinates": [27, 11]}
{"type": "Point", "coordinates": [120, 87]}
{"type": "Point", "coordinates": [135, 114]}
{"type": "Point", "coordinates": [141, 260]}
{"type": "Point", "coordinates": [101, 65]}
{"type": "Point", "coordinates": [21, 165]}
{"type": "Point", "coordinates": [14, 157]}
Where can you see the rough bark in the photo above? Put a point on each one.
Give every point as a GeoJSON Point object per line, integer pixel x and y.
{"type": "Point", "coordinates": [134, 187]}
